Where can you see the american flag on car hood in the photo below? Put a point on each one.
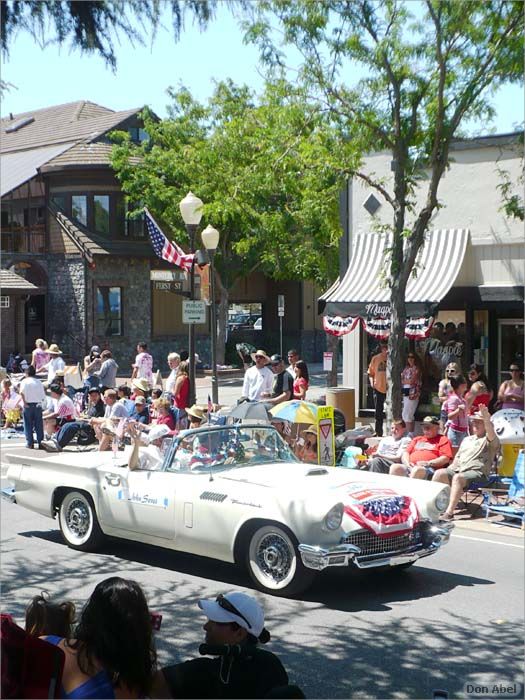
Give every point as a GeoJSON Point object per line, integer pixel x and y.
{"type": "Point", "coordinates": [167, 250]}
{"type": "Point", "coordinates": [382, 511]}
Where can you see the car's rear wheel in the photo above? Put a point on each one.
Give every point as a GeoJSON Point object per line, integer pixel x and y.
{"type": "Point", "coordinates": [274, 562]}
{"type": "Point", "coordinates": [78, 522]}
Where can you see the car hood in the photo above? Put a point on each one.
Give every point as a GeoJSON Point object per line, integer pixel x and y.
{"type": "Point", "coordinates": [284, 476]}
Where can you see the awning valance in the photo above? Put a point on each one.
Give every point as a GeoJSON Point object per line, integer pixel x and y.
{"type": "Point", "coordinates": [364, 292]}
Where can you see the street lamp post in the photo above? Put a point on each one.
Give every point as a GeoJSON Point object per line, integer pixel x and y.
{"type": "Point", "coordinates": [210, 240]}
{"type": "Point", "coordinates": [191, 211]}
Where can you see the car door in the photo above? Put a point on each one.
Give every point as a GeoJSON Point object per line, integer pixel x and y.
{"type": "Point", "coordinates": [138, 501]}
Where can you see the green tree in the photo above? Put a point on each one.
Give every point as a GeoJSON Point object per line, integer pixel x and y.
{"type": "Point", "coordinates": [428, 67]}
{"type": "Point", "coordinates": [92, 27]}
{"type": "Point", "coordinates": [262, 169]}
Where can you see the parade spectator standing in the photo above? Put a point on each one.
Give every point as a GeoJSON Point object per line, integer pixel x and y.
{"type": "Point", "coordinates": [143, 365]}
{"type": "Point", "coordinates": [55, 364]}
{"type": "Point", "coordinates": [377, 376]}
{"type": "Point", "coordinates": [257, 379]}
{"type": "Point", "coordinates": [141, 411]}
{"type": "Point", "coordinates": [425, 454]}
{"type": "Point", "coordinates": [282, 386]}
{"type": "Point", "coordinates": [445, 389]}
{"type": "Point", "coordinates": [293, 358]}
{"type": "Point", "coordinates": [112, 654]}
{"type": "Point", "coordinates": [92, 365]}
{"type": "Point", "coordinates": [33, 395]}
{"type": "Point", "coordinates": [479, 393]}
{"type": "Point", "coordinates": [94, 409]}
{"type": "Point", "coordinates": [181, 391]}
{"type": "Point", "coordinates": [39, 356]}
{"type": "Point", "coordinates": [173, 363]}
{"type": "Point", "coordinates": [301, 381]}
{"type": "Point", "coordinates": [63, 410]}
{"type": "Point", "coordinates": [235, 619]}
{"type": "Point", "coordinates": [473, 460]}
{"type": "Point", "coordinates": [510, 393]}
{"type": "Point", "coordinates": [390, 449]}
{"type": "Point", "coordinates": [457, 413]}
{"type": "Point", "coordinates": [107, 375]}
{"type": "Point", "coordinates": [411, 388]}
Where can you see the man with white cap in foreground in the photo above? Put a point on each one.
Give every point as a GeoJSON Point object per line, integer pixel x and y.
{"type": "Point", "coordinates": [240, 669]}
{"type": "Point", "coordinates": [151, 455]}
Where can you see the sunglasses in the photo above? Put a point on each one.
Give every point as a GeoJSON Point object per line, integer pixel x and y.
{"type": "Point", "coordinates": [225, 604]}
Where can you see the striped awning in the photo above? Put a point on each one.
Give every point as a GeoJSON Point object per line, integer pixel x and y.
{"type": "Point", "coordinates": [363, 290]}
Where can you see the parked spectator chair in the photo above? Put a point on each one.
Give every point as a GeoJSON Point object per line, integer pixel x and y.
{"type": "Point", "coordinates": [513, 507]}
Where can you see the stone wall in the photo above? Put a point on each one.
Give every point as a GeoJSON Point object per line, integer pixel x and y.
{"type": "Point", "coordinates": [66, 304]}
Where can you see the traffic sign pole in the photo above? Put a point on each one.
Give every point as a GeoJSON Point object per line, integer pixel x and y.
{"type": "Point", "coordinates": [280, 312]}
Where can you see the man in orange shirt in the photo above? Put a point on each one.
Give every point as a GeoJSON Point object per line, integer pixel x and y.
{"type": "Point", "coordinates": [426, 453]}
{"type": "Point", "coordinates": [377, 376]}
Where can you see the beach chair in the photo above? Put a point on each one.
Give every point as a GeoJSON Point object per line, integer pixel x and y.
{"type": "Point", "coordinates": [512, 509]}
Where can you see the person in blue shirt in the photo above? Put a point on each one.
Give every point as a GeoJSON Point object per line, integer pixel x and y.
{"type": "Point", "coordinates": [141, 411]}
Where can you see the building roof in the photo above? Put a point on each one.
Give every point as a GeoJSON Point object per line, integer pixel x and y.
{"type": "Point", "coordinates": [69, 123]}
{"type": "Point", "coordinates": [20, 166]}
{"type": "Point", "coordinates": [11, 282]}
{"type": "Point", "coordinates": [82, 155]}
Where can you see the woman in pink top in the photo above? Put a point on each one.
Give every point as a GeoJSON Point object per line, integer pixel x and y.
{"type": "Point", "coordinates": [40, 356]}
{"type": "Point", "coordinates": [457, 412]}
{"type": "Point", "coordinates": [300, 385]}
{"type": "Point", "coordinates": [510, 393]}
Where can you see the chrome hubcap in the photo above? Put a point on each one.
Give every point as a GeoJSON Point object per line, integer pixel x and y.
{"type": "Point", "coordinates": [78, 519]}
{"type": "Point", "coordinates": [274, 557]}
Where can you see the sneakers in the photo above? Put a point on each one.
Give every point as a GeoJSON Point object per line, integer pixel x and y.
{"type": "Point", "coordinates": [446, 518]}
{"type": "Point", "coordinates": [51, 445]}
{"type": "Point", "coordinates": [108, 430]}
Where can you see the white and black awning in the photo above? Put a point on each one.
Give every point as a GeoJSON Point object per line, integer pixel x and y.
{"type": "Point", "coordinates": [363, 291]}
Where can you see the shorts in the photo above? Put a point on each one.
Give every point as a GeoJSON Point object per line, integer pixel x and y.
{"type": "Point", "coordinates": [456, 437]}
{"type": "Point", "coordinates": [409, 409]}
{"type": "Point", "coordinates": [429, 472]}
{"type": "Point", "coordinates": [470, 475]}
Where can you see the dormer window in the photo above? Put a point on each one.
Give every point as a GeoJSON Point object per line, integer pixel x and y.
{"type": "Point", "coordinates": [138, 135]}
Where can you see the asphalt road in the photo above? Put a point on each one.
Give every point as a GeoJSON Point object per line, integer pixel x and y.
{"type": "Point", "coordinates": [455, 619]}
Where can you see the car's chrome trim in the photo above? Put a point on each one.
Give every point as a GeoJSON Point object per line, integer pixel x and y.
{"type": "Point", "coordinates": [9, 494]}
{"type": "Point", "coordinates": [319, 558]}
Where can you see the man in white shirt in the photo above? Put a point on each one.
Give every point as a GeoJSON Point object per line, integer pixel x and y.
{"type": "Point", "coordinates": [55, 364]}
{"type": "Point", "coordinates": [33, 395]}
{"type": "Point", "coordinates": [173, 362]}
{"type": "Point", "coordinates": [390, 449]}
{"type": "Point", "coordinates": [258, 379]}
{"type": "Point", "coordinates": [143, 365]}
{"type": "Point", "coordinates": [63, 409]}
{"type": "Point", "coordinates": [151, 456]}
{"type": "Point", "coordinates": [105, 427]}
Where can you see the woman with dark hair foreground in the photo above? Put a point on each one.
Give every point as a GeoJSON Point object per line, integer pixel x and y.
{"type": "Point", "coordinates": [112, 654]}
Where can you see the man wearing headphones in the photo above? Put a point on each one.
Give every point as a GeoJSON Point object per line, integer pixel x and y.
{"type": "Point", "coordinates": [239, 669]}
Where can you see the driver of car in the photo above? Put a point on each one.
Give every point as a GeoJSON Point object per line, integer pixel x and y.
{"type": "Point", "coordinates": [151, 456]}
{"type": "Point", "coordinates": [234, 629]}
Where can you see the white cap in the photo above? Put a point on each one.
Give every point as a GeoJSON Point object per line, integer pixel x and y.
{"type": "Point", "coordinates": [157, 432]}
{"type": "Point", "coordinates": [245, 604]}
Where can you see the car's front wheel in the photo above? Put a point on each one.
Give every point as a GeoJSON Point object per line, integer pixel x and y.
{"type": "Point", "coordinates": [78, 522]}
{"type": "Point", "coordinates": [274, 563]}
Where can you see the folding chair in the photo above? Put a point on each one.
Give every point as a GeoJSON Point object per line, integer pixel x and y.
{"type": "Point", "coordinates": [513, 508]}
{"type": "Point", "coordinates": [478, 488]}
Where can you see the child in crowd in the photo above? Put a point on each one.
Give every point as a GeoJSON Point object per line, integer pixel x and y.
{"type": "Point", "coordinates": [43, 617]}
{"type": "Point", "coordinates": [11, 404]}
{"type": "Point", "coordinates": [457, 412]}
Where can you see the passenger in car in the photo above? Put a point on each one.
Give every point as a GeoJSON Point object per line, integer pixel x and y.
{"type": "Point", "coordinates": [147, 456]}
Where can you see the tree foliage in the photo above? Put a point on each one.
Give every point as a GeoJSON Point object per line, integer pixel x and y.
{"type": "Point", "coordinates": [403, 77]}
{"type": "Point", "coordinates": [261, 167]}
{"type": "Point", "coordinates": [93, 27]}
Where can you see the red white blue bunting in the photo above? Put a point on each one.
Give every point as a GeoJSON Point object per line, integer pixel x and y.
{"type": "Point", "coordinates": [377, 326]}
{"type": "Point", "coordinates": [340, 325]}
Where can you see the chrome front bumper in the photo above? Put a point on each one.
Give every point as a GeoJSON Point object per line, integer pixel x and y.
{"type": "Point", "coordinates": [8, 494]}
{"type": "Point", "coordinates": [319, 558]}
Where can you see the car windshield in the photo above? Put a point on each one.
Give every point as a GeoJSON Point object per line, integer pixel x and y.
{"type": "Point", "coordinates": [223, 448]}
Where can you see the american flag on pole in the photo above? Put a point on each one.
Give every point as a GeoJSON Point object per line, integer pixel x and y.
{"type": "Point", "coordinates": [167, 250]}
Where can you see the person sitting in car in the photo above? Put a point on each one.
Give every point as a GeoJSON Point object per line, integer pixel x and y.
{"type": "Point", "coordinates": [149, 455]}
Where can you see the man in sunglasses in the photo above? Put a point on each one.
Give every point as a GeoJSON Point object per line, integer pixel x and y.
{"type": "Point", "coordinates": [257, 379]}
{"type": "Point", "coordinates": [239, 669]}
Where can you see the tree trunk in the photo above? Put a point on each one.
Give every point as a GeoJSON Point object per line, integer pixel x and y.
{"type": "Point", "coordinates": [222, 318]}
{"type": "Point", "coordinates": [394, 400]}
{"type": "Point", "coordinates": [332, 343]}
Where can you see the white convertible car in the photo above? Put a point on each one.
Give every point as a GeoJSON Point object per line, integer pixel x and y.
{"type": "Point", "coordinates": [238, 494]}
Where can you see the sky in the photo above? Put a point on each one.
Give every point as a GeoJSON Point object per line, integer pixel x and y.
{"type": "Point", "coordinates": [50, 76]}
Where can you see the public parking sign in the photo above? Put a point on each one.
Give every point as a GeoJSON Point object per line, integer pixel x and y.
{"type": "Point", "coordinates": [193, 311]}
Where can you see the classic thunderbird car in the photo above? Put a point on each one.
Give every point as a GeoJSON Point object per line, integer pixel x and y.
{"type": "Point", "coordinates": [238, 494]}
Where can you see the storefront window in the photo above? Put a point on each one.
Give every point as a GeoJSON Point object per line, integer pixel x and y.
{"type": "Point", "coordinates": [109, 311]}
{"type": "Point", "coordinates": [101, 213]}
{"type": "Point", "coordinates": [79, 208]}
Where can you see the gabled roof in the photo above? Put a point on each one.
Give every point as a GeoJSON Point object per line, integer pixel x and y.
{"type": "Point", "coordinates": [11, 282]}
{"type": "Point", "coordinates": [73, 122]}
{"type": "Point", "coordinates": [19, 167]}
{"type": "Point", "coordinates": [83, 154]}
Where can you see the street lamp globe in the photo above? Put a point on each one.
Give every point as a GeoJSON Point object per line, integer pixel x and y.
{"type": "Point", "coordinates": [191, 209]}
{"type": "Point", "coordinates": [210, 238]}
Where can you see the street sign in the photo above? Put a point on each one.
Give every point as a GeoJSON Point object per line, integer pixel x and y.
{"type": "Point", "coordinates": [193, 311]}
{"type": "Point", "coordinates": [327, 361]}
{"type": "Point", "coordinates": [175, 287]}
{"type": "Point", "coordinates": [326, 441]}
{"type": "Point", "coordinates": [280, 304]}
{"type": "Point", "coordinates": [168, 275]}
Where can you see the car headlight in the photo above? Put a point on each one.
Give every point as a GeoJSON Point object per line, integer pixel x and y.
{"type": "Point", "coordinates": [334, 517]}
{"type": "Point", "coordinates": [442, 499]}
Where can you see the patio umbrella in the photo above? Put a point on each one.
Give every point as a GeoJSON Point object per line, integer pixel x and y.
{"type": "Point", "coordinates": [249, 410]}
{"type": "Point", "coordinates": [296, 411]}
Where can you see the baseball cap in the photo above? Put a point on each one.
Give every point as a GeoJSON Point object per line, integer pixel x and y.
{"type": "Point", "coordinates": [275, 359]}
{"type": "Point", "coordinates": [250, 613]}
{"type": "Point", "coordinates": [157, 432]}
{"type": "Point", "coordinates": [433, 420]}
{"type": "Point", "coordinates": [93, 389]}
{"type": "Point", "coordinates": [140, 399]}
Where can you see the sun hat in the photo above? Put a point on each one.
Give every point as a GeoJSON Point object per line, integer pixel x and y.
{"type": "Point", "coordinates": [434, 420]}
{"type": "Point", "coordinates": [477, 416]}
{"type": "Point", "coordinates": [110, 392]}
{"type": "Point", "coordinates": [250, 613]}
{"type": "Point", "coordinates": [141, 384]}
{"type": "Point", "coordinates": [261, 353]}
{"type": "Point", "coordinates": [196, 412]}
{"type": "Point", "coordinates": [311, 429]}
{"type": "Point", "coordinates": [158, 432]}
{"type": "Point", "coordinates": [53, 349]}
{"type": "Point", "coordinates": [140, 399]}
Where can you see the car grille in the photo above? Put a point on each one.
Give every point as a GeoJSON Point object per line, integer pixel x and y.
{"type": "Point", "coordinates": [371, 544]}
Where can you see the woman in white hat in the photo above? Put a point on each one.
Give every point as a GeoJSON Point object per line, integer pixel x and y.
{"type": "Point", "coordinates": [55, 364]}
